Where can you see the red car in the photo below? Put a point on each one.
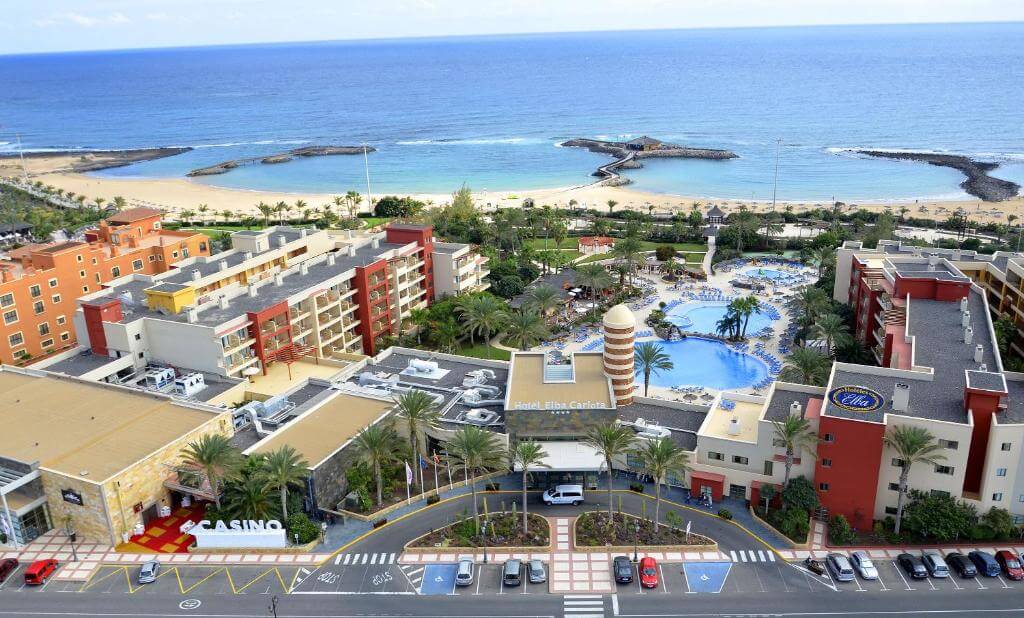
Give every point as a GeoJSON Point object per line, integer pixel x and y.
{"type": "Point", "coordinates": [39, 572]}
{"type": "Point", "coordinates": [1010, 564]}
{"type": "Point", "coordinates": [7, 566]}
{"type": "Point", "coordinates": [648, 573]}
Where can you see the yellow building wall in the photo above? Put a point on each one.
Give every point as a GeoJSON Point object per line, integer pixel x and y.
{"type": "Point", "coordinates": [90, 519]}
{"type": "Point", "coordinates": [172, 302]}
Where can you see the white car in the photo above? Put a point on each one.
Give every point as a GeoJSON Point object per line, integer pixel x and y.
{"type": "Point", "coordinates": [862, 563]}
{"type": "Point", "coordinates": [464, 574]}
{"type": "Point", "coordinates": [564, 494]}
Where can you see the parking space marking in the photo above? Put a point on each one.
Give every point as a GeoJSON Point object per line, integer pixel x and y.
{"type": "Point", "coordinates": [706, 576]}
{"type": "Point", "coordinates": [664, 582]}
{"type": "Point", "coordinates": [896, 566]}
{"type": "Point", "coordinates": [1005, 585]}
{"type": "Point", "coordinates": [981, 586]}
{"type": "Point", "coordinates": [439, 579]}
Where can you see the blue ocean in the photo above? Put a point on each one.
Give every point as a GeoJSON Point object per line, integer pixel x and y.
{"type": "Point", "coordinates": [490, 111]}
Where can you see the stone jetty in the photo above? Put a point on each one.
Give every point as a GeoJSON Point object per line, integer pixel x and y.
{"type": "Point", "coordinates": [978, 183]}
{"type": "Point", "coordinates": [627, 154]}
{"type": "Point", "coordinates": [282, 157]}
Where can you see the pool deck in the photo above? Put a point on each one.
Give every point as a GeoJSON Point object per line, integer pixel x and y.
{"type": "Point", "coordinates": [775, 295]}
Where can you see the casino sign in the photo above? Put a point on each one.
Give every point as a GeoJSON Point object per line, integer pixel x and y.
{"type": "Point", "coordinates": [855, 399]}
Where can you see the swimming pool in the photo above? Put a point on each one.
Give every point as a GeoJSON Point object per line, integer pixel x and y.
{"type": "Point", "coordinates": [704, 317]}
{"type": "Point", "coordinates": [767, 274]}
{"type": "Point", "coordinates": [707, 362]}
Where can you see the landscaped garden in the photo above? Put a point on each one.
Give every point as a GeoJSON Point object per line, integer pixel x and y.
{"type": "Point", "coordinates": [501, 530]}
{"type": "Point", "coordinates": [595, 529]}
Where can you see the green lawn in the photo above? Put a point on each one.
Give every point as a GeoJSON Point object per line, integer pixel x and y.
{"type": "Point", "coordinates": [691, 258]}
{"type": "Point", "coordinates": [648, 245]}
{"type": "Point", "coordinates": [374, 221]}
{"type": "Point", "coordinates": [479, 351]}
{"type": "Point", "coordinates": [541, 244]}
{"type": "Point", "coordinates": [234, 227]}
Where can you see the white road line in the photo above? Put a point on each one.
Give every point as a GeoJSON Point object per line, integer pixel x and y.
{"type": "Point", "coordinates": [373, 559]}
{"type": "Point", "coordinates": [584, 596]}
{"type": "Point", "coordinates": [615, 605]}
{"type": "Point", "coordinates": [391, 559]}
{"type": "Point", "coordinates": [981, 586]}
{"type": "Point", "coordinates": [419, 570]}
{"type": "Point", "coordinates": [664, 582]}
{"type": "Point", "coordinates": [601, 615]}
{"type": "Point", "coordinates": [898, 572]}
{"type": "Point", "coordinates": [760, 556]}
{"type": "Point", "coordinates": [366, 557]}
{"type": "Point", "coordinates": [337, 559]}
{"type": "Point", "coordinates": [743, 556]}
{"type": "Point", "coordinates": [355, 558]}
{"type": "Point", "coordinates": [733, 554]}
{"type": "Point", "coordinates": [305, 571]}
{"type": "Point", "coordinates": [568, 602]}
{"type": "Point", "coordinates": [347, 558]}
{"type": "Point", "coordinates": [771, 556]}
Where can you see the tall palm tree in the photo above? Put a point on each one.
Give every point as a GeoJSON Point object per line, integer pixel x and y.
{"type": "Point", "coordinates": [250, 499]}
{"type": "Point", "coordinates": [203, 209]}
{"type": "Point", "coordinates": [650, 358]}
{"type": "Point", "coordinates": [420, 413]}
{"type": "Point", "coordinates": [478, 450]}
{"type": "Point", "coordinates": [795, 434]}
{"type": "Point", "coordinates": [446, 333]}
{"type": "Point", "coordinates": [833, 330]}
{"type": "Point", "coordinates": [628, 250]}
{"type": "Point", "coordinates": [280, 208]}
{"type": "Point", "coordinates": [420, 318]}
{"type": "Point", "coordinates": [285, 468]}
{"type": "Point", "coordinates": [611, 205]}
{"type": "Point", "coordinates": [812, 302]}
{"type": "Point", "coordinates": [593, 277]}
{"type": "Point", "coordinates": [216, 458]}
{"type": "Point", "coordinates": [266, 210]}
{"type": "Point", "coordinates": [611, 441]}
{"type": "Point", "coordinates": [806, 366]}
{"type": "Point", "coordinates": [746, 307]}
{"type": "Point", "coordinates": [378, 446]}
{"type": "Point", "coordinates": [525, 455]}
{"type": "Point", "coordinates": [912, 445]}
{"type": "Point", "coordinates": [486, 316]}
{"type": "Point", "coordinates": [823, 257]}
{"type": "Point", "coordinates": [544, 299]}
{"type": "Point", "coordinates": [660, 458]}
{"type": "Point", "coordinates": [525, 329]}
{"type": "Point", "coordinates": [187, 215]}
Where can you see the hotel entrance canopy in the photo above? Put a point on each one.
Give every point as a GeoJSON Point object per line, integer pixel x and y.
{"type": "Point", "coordinates": [567, 457]}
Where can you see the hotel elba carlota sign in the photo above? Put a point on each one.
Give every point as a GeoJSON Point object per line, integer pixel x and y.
{"type": "Point", "coordinates": [239, 533]}
{"type": "Point", "coordinates": [856, 399]}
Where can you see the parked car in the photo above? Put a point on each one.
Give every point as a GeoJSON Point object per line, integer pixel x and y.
{"type": "Point", "coordinates": [564, 494]}
{"type": "Point", "coordinates": [538, 574]}
{"type": "Point", "coordinates": [7, 566]}
{"type": "Point", "coordinates": [912, 565]}
{"type": "Point", "coordinates": [40, 571]}
{"type": "Point", "coordinates": [936, 566]}
{"type": "Point", "coordinates": [1008, 560]}
{"type": "Point", "coordinates": [840, 568]}
{"type": "Point", "coordinates": [622, 568]}
{"type": "Point", "coordinates": [814, 566]}
{"type": "Point", "coordinates": [648, 572]}
{"type": "Point", "coordinates": [512, 573]}
{"type": "Point", "coordinates": [148, 572]}
{"type": "Point", "coordinates": [961, 564]}
{"type": "Point", "coordinates": [464, 573]}
{"type": "Point", "coordinates": [863, 565]}
{"type": "Point", "coordinates": [985, 562]}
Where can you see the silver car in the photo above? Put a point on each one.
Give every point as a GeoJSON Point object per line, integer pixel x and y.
{"type": "Point", "coordinates": [840, 568]}
{"type": "Point", "coordinates": [148, 572]}
{"type": "Point", "coordinates": [538, 574]}
{"type": "Point", "coordinates": [862, 564]}
{"type": "Point", "coordinates": [464, 573]}
{"type": "Point", "coordinates": [935, 563]}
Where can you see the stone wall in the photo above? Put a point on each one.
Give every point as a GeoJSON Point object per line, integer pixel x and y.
{"type": "Point", "coordinates": [548, 423]}
{"type": "Point", "coordinates": [90, 519]}
{"type": "Point", "coordinates": [328, 479]}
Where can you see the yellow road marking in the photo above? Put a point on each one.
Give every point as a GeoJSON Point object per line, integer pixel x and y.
{"type": "Point", "coordinates": [128, 581]}
{"type": "Point", "coordinates": [114, 570]}
{"type": "Point", "coordinates": [231, 580]}
{"type": "Point", "coordinates": [261, 576]}
{"type": "Point", "coordinates": [203, 580]}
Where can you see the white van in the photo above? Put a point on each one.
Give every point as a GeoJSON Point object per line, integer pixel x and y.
{"type": "Point", "coordinates": [564, 494]}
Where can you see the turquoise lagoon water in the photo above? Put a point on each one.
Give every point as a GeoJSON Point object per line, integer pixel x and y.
{"type": "Point", "coordinates": [703, 318]}
{"type": "Point", "coordinates": [709, 363]}
{"type": "Point", "coordinates": [768, 274]}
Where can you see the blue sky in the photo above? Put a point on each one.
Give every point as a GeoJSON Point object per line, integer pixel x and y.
{"type": "Point", "coordinates": [61, 25]}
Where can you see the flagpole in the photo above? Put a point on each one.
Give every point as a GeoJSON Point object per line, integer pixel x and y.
{"type": "Point", "coordinates": [408, 483]}
{"type": "Point", "coordinates": [437, 487]}
{"type": "Point", "coordinates": [448, 464]}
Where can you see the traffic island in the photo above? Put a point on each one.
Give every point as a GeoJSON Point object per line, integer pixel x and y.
{"type": "Point", "coordinates": [622, 532]}
{"type": "Point", "coordinates": [498, 531]}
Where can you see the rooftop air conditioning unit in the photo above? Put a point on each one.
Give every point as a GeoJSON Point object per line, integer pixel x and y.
{"type": "Point", "coordinates": [734, 428]}
{"type": "Point", "coordinates": [480, 416]}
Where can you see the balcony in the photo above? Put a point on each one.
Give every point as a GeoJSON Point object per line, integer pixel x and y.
{"type": "Point", "coordinates": [237, 344]}
{"type": "Point", "coordinates": [879, 353]}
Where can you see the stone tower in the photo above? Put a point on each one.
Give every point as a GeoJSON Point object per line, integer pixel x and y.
{"type": "Point", "coordinates": [619, 334]}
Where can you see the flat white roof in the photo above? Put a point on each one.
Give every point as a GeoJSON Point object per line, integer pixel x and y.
{"type": "Point", "coordinates": [568, 457]}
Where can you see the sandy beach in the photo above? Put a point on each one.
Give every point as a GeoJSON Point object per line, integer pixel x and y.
{"type": "Point", "coordinates": [177, 194]}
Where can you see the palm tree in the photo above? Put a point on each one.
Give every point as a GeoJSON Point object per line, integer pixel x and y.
{"type": "Point", "coordinates": [806, 366]}
{"type": "Point", "coordinates": [446, 333]}
{"type": "Point", "coordinates": [99, 204]}
{"type": "Point", "coordinates": [477, 450]}
{"type": "Point", "coordinates": [485, 316]}
{"type": "Point", "coordinates": [378, 446]}
{"type": "Point", "coordinates": [203, 209]}
{"type": "Point", "coordinates": [833, 330]}
{"type": "Point", "coordinates": [823, 257]}
{"type": "Point", "coordinates": [187, 215]}
{"type": "Point", "coordinates": [249, 499]}
{"type": "Point", "coordinates": [611, 441]}
{"type": "Point", "coordinates": [660, 458]}
{"type": "Point", "coordinates": [525, 455]}
{"type": "Point", "coordinates": [119, 202]}
{"type": "Point", "coordinates": [650, 358]}
{"type": "Point", "coordinates": [420, 318]}
{"type": "Point", "coordinates": [912, 445]}
{"type": "Point", "coordinates": [525, 329]}
{"type": "Point", "coordinates": [420, 413]}
{"type": "Point", "coordinates": [795, 433]}
{"type": "Point", "coordinates": [226, 215]}
{"type": "Point", "coordinates": [280, 208]}
{"type": "Point", "coordinates": [594, 277]}
{"type": "Point", "coordinates": [285, 468]}
{"type": "Point", "coordinates": [216, 458]}
{"type": "Point", "coordinates": [544, 299]}
{"type": "Point", "coordinates": [812, 303]}
{"type": "Point", "coordinates": [266, 210]}
{"type": "Point", "coordinates": [628, 250]}
{"type": "Point", "coordinates": [611, 205]}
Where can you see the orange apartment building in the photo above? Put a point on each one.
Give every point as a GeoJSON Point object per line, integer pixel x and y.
{"type": "Point", "coordinates": [40, 283]}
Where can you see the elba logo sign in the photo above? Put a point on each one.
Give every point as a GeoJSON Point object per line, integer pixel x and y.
{"type": "Point", "coordinates": [856, 399]}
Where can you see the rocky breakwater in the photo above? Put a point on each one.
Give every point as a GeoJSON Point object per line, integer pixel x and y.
{"type": "Point", "coordinates": [978, 183]}
{"type": "Point", "coordinates": [281, 157]}
{"type": "Point", "coordinates": [628, 154]}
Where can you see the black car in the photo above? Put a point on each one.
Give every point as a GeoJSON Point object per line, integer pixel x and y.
{"type": "Point", "coordinates": [985, 562]}
{"type": "Point", "coordinates": [623, 570]}
{"type": "Point", "coordinates": [912, 565]}
{"type": "Point", "coordinates": [961, 564]}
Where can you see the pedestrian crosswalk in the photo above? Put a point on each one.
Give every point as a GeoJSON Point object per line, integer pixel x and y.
{"type": "Point", "coordinates": [375, 558]}
{"type": "Point", "coordinates": [752, 555]}
{"type": "Point", "coordinates": [583, 606]}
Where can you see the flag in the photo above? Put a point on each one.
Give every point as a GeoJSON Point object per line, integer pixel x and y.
{"type": "Point", "coordinates": [423, 463]}
{"type": "Point", "coordinates": [5, 527]}
{"type": "Point", "coordinates": [437, 460]}
{"type": "Point", "coordinates": [408, 474]}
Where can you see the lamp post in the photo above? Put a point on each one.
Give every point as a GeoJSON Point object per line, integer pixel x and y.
{"type": "Point", "coordinates": [636, 541]}
{"type": "Point", "coordinates": [323, 532]}
{"type": "Point", "coordinates": [273, 606]}
{"type": "Point", "coordinates": [483, 533]}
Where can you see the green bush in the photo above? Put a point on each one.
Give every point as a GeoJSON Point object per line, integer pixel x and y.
{"type": "Point", "coordinates": [937, 517]}
{"type": "Point", "coordinates": [839, 531]}
{"type": "Point", "coordinates": [725, 514]}
{"type": "Point", "coordinates": [300, 524]}
{"type": "Point", "coordinates": [799, 494]}
{"type": "Point", "coordinates": [434, 499]}
{"type": "Point", "coordinates": [665, 252]}
{"type": "Point", "coordinates": [637, 487]}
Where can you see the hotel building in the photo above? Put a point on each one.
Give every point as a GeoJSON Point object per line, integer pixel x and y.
{"type": "Point", "coordinates": [40, 283]}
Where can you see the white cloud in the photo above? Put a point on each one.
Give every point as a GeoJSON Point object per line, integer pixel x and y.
{"type": "Point", "coordinates": [119, 18]}
{"type": "Point", "coordinates": [157, 16]}
{"type": "Point", "coordinates": [78, 18]}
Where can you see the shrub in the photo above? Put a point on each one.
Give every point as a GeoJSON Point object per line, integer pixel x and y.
{"type": "Point", "coordinates": [492, 487]}
{"type": "Point", "coordinates": [665, 252]}
{"type": "Point", "coordinates": [937, 517]}
{"type": "Point", "coordinates": [392, 206]}
{"type": "Point", "coordinates": [637, 487]}
{"type": "Point", "coordinates": [839, 530]}
{"type": "Point", "coordinates": [300, 524]}
{"type": "Point", "coordinates": [434, 499]}
{"type": "Point", "coordinates": [999, 521]}
{"type": "Point", "coordinates": [377, 523]}
{"type": "Point", "coordinates": [799, 494]}
{"type": "Point", "coordinates": [725, 514]}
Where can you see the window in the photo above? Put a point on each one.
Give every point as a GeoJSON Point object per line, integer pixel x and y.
{"type": "Point", "coordinates": [115, 271]}
{"type": "Point", "coordinates": [55, 298]}
{"type": "Point", "coordinates": [137, 265]}
{"type": "Point", "coordinates": [79, 257]}
{"type": "Point", "coordinates": [52, 282]}
{"type": "Point", "coordinates": [1005, 446]}
{"type": "Point", "coordinates": [828, 438]}
{"type": "Point", "coordinates": [1000, 471]}
{"type": "Point", "coordinates": [897, 462]}
{"type": "Point", "coordinates": [739, 459]}
{"type": "Point", "coordinates": [38, 307]}
{"type": "Point", "coordinates": [938, 493]}
{"type": "Point", "coordinates": [65, 336]}
{"type": "Point", "coordinates": [950, 444]}
{"type": "Point", "coordinates": [98, 280]}
{"type": "Point", "coordinates": [44, 329]}
{"type": "Point", "coordinates": [944, 470]}
{"type": "Point", "coordinates": [138, 337]}
{"type": "Point", "coordinates": [997, 497]}
{"type": "Point", "coordinates": [769, 467]}
{"type": "Point", "coordinates": [115, 239]}
{"type": "Point", "coordinates": [890, 510]}
{"type": "Point", "coordinates": [174, 254]}
{"type": "Point", "coordinates": [184, 252]}
{"type": "Point", "coordinates": [35, 291]}
{"type": "Point", "coordinates": [16, 339]}
{"type": "Point", "coordinates": [156, 225]}
{"type": "Point", "coordinates": [894, 486]}
{"type": "Point", "coordinates": [142, 355]}
{"type": "Point", "coordinates": [47, 343]}
{"type": "Point", "coordinates": [81, 274]}
{"type": "Point", "coordinates": [715, 456]}
{"type": "Point", "coordinates": [826, 462]}
{"type": "Point", "coordinates": [160, 258]}
{"type": "Point", "coordinates": [202, 246]}
{"type": "Point", "coordinates": [6, 300]}
{"type": "Point", "coordinates": [94, 261]}
{"type": "Point", "coordinates": [779, 443]}
{"type": "Point", "coordinates": [152, 258]}
{"type": "Point", "coordinates": [10, 317]}
{"type": "Point", "coordinates": [822, 486]}
{"type": "Point", "coordinates": [85, 289]}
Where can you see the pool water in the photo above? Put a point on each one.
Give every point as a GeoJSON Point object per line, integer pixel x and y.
{"type": "Point", "coordinates": [703, 318]}
{"type": "Point", "coordinates": [766, 274]}
{"type": "Point", "coordinates": [707, 362]}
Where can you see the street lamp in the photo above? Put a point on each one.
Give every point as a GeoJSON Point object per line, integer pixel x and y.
{"type": "Point", "coordinates": [273, 606]}
{"type": "Point", "coordinates": [483, 533]}
{"type": "Point", "coordinates": [323, 532]}
{"type": "Point", "coordinates": [636, 541]}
